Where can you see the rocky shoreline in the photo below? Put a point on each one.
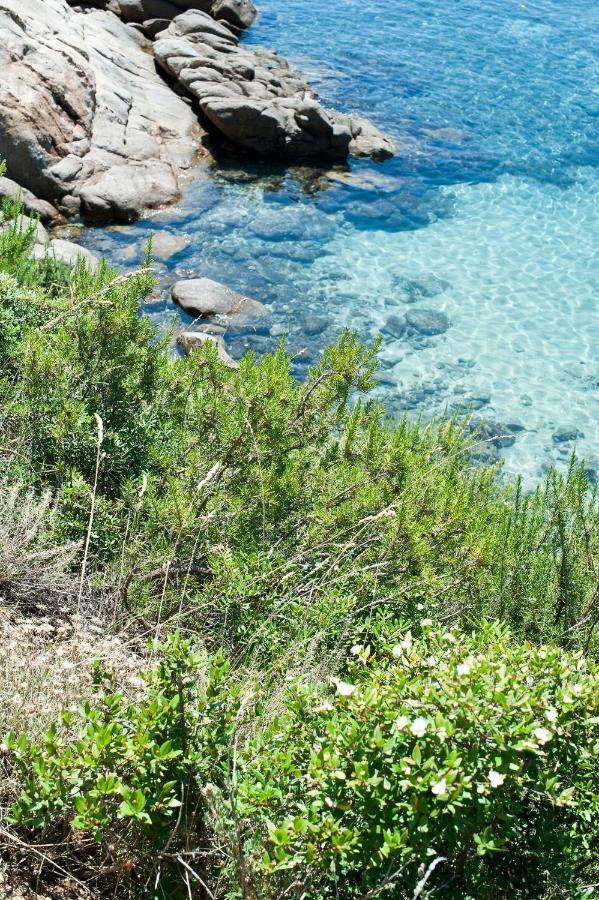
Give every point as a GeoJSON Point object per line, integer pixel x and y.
{"type": "Point", "coordinates": [105, 105]}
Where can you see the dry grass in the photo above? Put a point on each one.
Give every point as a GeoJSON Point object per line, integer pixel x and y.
{"type": "Point", "coordinates": [45, 666]}
{"type": "Point", "coordinates": [32, 567]}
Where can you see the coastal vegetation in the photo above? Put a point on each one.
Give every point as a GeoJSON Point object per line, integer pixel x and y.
{"type": "Point", "coordinates": [334, 655]}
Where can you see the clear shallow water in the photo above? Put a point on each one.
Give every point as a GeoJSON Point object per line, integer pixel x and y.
{"type": "Point", "coordinates": [489, 214]}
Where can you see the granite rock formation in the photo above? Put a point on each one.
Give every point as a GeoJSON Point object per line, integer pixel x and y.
{"type": "Point", "coordinates": [85, 120]}
{"type": "Point", "coordinates": [90, 127]}
{"type": "Point", "coordinates": [255, 99]}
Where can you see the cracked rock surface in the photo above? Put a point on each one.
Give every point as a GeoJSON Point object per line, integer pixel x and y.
{"type": "Point", "coordinates": [85, 120]}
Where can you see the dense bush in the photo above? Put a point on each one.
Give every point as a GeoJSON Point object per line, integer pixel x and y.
{"type": "Point", "coordinates": [472, 754]}
{"type": "Point", "coordinates": [470, 749]}
{"type": "Point", "coordinates": [132, 776]}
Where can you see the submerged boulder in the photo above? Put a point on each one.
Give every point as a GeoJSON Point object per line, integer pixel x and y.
{"type": "Point", "coordinates": [426, 321]}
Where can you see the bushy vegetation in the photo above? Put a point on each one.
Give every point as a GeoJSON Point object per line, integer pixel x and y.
{"type": "Point", "coordinates": [277, 525]}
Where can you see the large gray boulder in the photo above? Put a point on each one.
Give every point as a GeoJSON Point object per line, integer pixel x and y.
{"type": "Point", "coordinates": [255, 99]}
{"type": "Point", "coordinates": [66, 252]}
{"type": "Point", "coordinates": [86, 122]}
{"type": "Point", "coordinates": [141, 10]}
{"type": "Point", "coordinates": [205, 298]}
{"type": "Point", "coordinates": [29, 202]}
{"type": "Point", "coordinates": [26, 225]}
{"type": "Point", "coordinates": [238, 13]}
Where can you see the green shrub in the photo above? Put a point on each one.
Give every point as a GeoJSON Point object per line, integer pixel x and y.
{"type": "Point", "coordinates": [272, 513]}
{"type": "Point", "coordinates": [468, 759]}
{"type": "Point", "coordinates": [133, 777]}
{"type": "Point", "coordinates": [470, 749]}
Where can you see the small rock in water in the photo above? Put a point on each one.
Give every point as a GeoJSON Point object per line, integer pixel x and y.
{"type": "Point", "coordinates": [67, 232]}
{"type": "Point", "coordinates": [203, 297]}
{"type": "Point", "coordinates": [427, 321]}
{"type": "Point", "coordinates": [189, 341]}
{"type": "Point", "coordinates": [410, 290]}
{"type": "Point", "coordinates": [313, 325]}
{"type": "Point", "coordinates": [212, 328]}
{"type": "Point", "coordinates": [470, 404]}
{"type": "Point", "coordinates": [489, 438]}
{"type": "Point", "coordinates": [165, 245]}
{"type": "Point", "coordinates": [567, 434]}
{"type": "Point", "coordinates": [395, 326]}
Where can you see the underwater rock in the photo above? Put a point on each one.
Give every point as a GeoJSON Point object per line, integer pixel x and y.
{"type": "Point", "coordinates": [426, 321]}
{"type": "Point", "coordinates": [395, 326]}
{"type": "Point", "coordinates": [165, 245]}
{"type": "Point", "coordinates": [489, 437]}
{"type": "Point", "coordinates": [313, 325]}
{"type": "Point", "coordinates": [567, 434]}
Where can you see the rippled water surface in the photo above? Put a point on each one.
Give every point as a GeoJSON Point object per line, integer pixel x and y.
{"type": "Point", "coordinates": [483, 231]}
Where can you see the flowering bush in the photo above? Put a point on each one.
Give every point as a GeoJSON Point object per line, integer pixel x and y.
{"type": "Point", "coordinates": [468, 755]}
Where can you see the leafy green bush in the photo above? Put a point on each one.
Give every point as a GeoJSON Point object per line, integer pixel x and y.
{"type": "Point", "coordinates": [467, 760]}
{"type": "Point", "coordinates": [133, 776]}
{"type": "Point", "coordinates": [472, 754]}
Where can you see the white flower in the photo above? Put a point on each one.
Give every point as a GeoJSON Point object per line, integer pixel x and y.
{"type": "Point", "coordinates": [419, 726]}
{"type": "Point", "coordinates": [402, 722]}
{"type": "Point", "coordinates": [543, 735]}
{"type": "Point", "coordinates": [577, 689]}
{"type": "Point", "coordinates": [551, 714]}
{"type": "Point", "coordinates": [404, 646]}
{"type": "Point", "coordinates": [426, 623]}
{"type": "Point", "coordinates": [356, 650]}
{"type": "Point", "coordinates": [496, 778]}
{"type": "Point", "coordinates": [567, 698]}
{"type": "Point", "coordinates": [440, 787]}
{"type": "Point", "coordinates": [466, 667]}
{"type": "Point", "coordinates": [448, 636]}
{"type": "Point", "coordinates": [345, 689]}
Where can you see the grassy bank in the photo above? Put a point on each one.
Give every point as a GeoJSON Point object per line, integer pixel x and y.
{"type": "Point", "coordinates": [323, 709]}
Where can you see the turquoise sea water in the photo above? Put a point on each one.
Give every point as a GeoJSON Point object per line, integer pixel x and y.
{"type": "Point", "coordinates": [488, 215]}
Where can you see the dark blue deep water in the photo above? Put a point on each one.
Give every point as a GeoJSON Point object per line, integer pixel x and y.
{"type": "Point", "coordinates": [484, 228]}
